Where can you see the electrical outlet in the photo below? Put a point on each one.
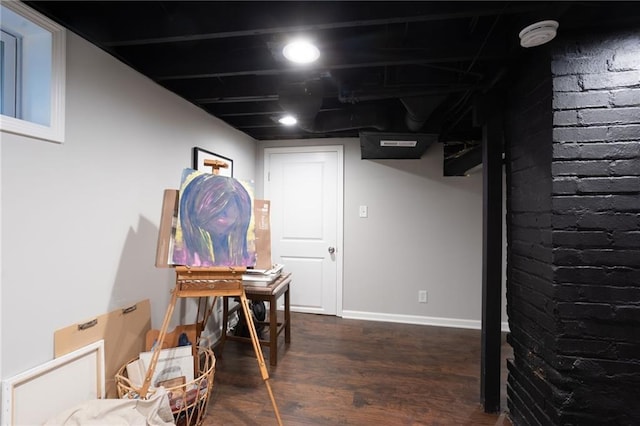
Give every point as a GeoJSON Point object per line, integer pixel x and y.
{"type": "Point", "coordinates": [422, 296]}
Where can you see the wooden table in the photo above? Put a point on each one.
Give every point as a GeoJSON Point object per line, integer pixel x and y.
{"type": "Point", "coordinates": [271, 294]}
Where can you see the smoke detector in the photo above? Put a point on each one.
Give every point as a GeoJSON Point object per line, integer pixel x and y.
{"type": "Point", "coordinates": [539, 33]}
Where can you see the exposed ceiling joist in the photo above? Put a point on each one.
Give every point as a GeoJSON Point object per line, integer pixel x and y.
{"type": "Point", "coordinates": [392, 66]}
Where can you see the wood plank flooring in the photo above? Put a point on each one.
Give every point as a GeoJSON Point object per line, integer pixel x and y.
{"type": "Point", "coordinates": [350, 372]}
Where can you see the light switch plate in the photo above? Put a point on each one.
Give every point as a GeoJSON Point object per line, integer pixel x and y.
{"type": "Point", "coordinates": [364, 211]}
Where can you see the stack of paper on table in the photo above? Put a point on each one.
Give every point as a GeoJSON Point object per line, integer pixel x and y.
{"type": "Point", "coordinates": [261, 277]}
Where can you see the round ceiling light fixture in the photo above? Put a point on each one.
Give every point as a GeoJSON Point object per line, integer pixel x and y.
{"type": "Point", "coordinates": [539, 33]}
{"type": "Point", "coordinates": [301, 52]}
{"type": "Point", "coordinates": [287, 120]}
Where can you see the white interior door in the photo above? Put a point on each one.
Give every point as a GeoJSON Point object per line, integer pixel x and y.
{"type": "Point", "coordinates": [304, 186]}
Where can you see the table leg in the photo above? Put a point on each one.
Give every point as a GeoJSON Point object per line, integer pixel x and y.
{"type": "Point", "coordinates": [273, 330]}
{"type": "Point", "coordinates": [225, 322]}
{"type": "Point", "coordinates": [287, 317]}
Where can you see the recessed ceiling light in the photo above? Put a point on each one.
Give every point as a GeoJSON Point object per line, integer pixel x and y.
{"type": "Point", "coordinates": [288, 120]}
{"type": "Point", "coordinates": [301, 52]}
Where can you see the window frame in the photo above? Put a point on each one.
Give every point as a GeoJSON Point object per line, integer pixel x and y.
{"type": "Point", "coordinates": [10, 51]}
{"type": "Point", "coordinates": [55, 131]}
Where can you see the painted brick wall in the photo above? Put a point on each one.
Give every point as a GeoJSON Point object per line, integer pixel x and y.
{"type": "Point", "coordinates": [596, 227]}
{"type": "Point", "coordinates": [573, 292]}
{"type": "Point", "coordinates": [530, 288]}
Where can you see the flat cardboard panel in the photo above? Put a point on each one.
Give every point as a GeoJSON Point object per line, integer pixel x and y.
{"type": "Point", "coordinates": [123, 332]}
{"type": "Point", "coordinates": [32, 397]}
{"type": "Point", "coordinates": [262, 214]}
{"type": "Point", "coordinates": [171, 338]}
{"type": "Point", "coordinates": [166, 233]}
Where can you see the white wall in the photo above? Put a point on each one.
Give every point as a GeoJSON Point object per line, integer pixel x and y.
{"type": "Point", "coordinates": [424, 232]}
{"type": "Point", "coordinates": [80, 220]}
{"type": "Point", "coordinates": [1, 351]}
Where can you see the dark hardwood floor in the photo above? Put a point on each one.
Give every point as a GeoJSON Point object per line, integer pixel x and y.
{"type": "Point", "coordinates": [349, 372]}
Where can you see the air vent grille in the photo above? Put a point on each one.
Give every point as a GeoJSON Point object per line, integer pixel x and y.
{"type": "Point", "coordinates": [406, 144]}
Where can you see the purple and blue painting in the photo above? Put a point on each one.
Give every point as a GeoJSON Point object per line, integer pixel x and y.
{"type": "Point", "coordinates": [215, 221]}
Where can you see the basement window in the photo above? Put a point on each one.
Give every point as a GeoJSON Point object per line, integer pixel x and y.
{"type": "Point", "coordinates": [32, 78]}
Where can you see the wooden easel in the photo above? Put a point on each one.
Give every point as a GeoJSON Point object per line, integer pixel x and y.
{"type": "Point", "coordinates": [216, 165]}
{"type": "Point", "coordinates": [206, 282]}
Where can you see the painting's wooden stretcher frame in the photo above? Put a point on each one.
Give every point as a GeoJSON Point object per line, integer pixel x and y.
{"type": "Point", "coordinates": [205, 282]}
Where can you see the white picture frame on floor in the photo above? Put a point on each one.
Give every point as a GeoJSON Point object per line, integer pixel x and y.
{"type": "Point", "coordinates": [42, 392]}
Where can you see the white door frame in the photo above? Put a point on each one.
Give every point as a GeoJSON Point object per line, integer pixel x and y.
{"type": "Point", "coordinates": [339, 150]}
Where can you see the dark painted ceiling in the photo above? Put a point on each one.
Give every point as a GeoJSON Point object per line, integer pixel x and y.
{"type": "Point", "coordinates": [400, 68]}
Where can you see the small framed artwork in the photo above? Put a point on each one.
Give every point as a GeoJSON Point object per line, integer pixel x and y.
{"type": "Point", "coordinates": [199, 155]}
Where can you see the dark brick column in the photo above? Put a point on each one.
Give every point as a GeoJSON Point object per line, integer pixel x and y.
{"type": "Point", "coordinates": [574, 260]}
{"type": "Point", "coordinates": [596, 227]}
{"type": "Point", "coordinates": [530, 287]}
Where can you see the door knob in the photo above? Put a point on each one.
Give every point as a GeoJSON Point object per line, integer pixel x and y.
{"type": "Point", "coordinates": [332, 250]}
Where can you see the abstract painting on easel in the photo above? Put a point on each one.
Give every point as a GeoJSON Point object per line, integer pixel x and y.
{"type": "Point", "coordinates": [215, 221]}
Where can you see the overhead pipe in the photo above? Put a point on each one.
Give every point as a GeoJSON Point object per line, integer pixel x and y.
{"type": "Point", "coordinates": [304, 100]}
{"type": "Point", "coordinates": [352, 96]}
{"type": "Point", "coordinates": [354, 117]}
{"type": "Point", "coordinates": [419, 109]}
{"type": "Point", "coordinates": [419, 103]}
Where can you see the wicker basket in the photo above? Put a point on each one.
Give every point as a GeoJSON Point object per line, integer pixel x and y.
{"type": "Point", "coordinates": [189, 400]}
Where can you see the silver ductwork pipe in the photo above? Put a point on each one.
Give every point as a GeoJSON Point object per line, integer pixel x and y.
{"type": "Point", "coordinates": [419, 109]}
{"type": "Point", "coordinates": [304, 100]}
{"type": "Point", "coordinates": [354, 117]}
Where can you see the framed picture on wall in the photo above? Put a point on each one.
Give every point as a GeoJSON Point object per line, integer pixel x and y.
{"type": "Point", "coordinates": [199, 155]}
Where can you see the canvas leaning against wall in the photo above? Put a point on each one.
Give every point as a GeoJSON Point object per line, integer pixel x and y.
{"type": "Point", "coordinates": [215, 224]}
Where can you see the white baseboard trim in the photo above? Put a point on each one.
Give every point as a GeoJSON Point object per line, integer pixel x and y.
{"type": "Point", "coordinates": [420, 320]}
